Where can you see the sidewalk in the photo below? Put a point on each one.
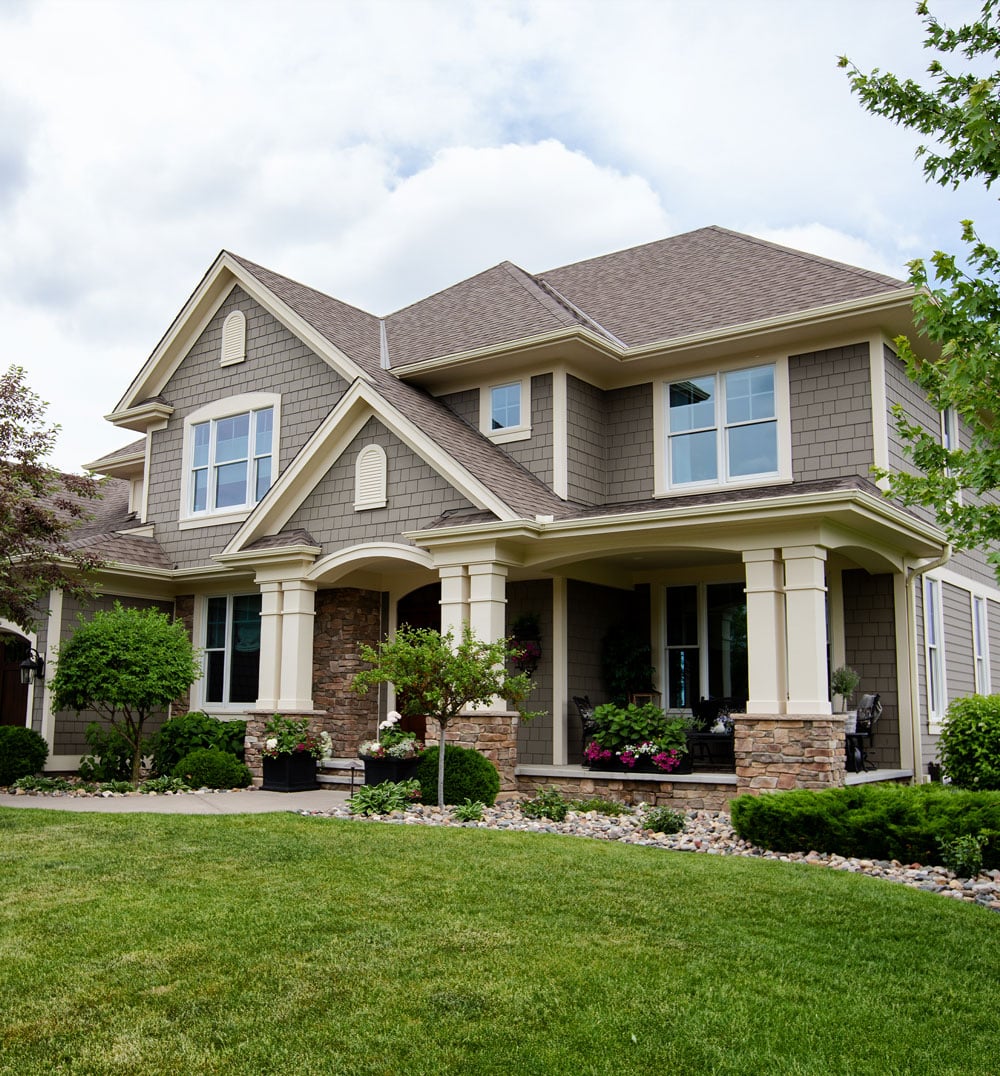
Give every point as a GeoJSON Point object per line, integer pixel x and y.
{"type": "Point", "coordinates": [244, 801]}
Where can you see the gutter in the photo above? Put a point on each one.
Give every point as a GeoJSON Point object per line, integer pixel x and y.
{"type": "Point", "coordinates": [912, 575]}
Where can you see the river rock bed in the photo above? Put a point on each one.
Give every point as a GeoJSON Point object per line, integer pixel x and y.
{"type": "Point", "coordinates": [708, 832]}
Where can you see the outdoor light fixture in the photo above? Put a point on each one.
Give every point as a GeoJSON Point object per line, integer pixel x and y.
{"type": "Point", "coordinates": [28, 667]}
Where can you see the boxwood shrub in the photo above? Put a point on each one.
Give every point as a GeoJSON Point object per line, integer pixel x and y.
{"type": "Point", "coordinates": [467, 775]}
{"type": "Point", "coordinates": [184, 733]}
{"type": "Point", "coordinates": [210, 767]}
{"type": "Point", "coordinates": [22, 753]}
{"type": "Point", "coordinates": [969, 745]}
{"type": "Point", "coordinates": [885, 821]}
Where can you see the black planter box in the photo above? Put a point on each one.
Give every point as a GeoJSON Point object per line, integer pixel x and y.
{"type": "Point", "coordinates": [379, 770]}
{"type": "Point", "coordinates": [290, 773]}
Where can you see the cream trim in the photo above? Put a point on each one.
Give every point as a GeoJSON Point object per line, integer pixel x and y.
{"type": "Point", "coordinates": [880, 404]}
{"type": "Point", "coordinates": [234, 339]}
{"type": "Point", "coordinates": [53, 640]}
{"type": "Point", "coordinates": [520, 432]}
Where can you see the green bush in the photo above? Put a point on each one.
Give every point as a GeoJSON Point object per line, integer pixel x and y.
{"type": "Point", "coordinates": [110, 757]}
{"type": "Point", "coordinates": [470, 811]}
{"type": "Point", "coordinates": [969, 745]}
{"type": "Point", "coordinates": [209, 767]}
{"type": "Point", "coordinates": [546, 803]}
{"type": "Point", "coordinates": [467, 775]}
{"type": "Point", "coordinates": [887, 821]}
{"type": "Point", "coordinates": [22, 753]}
{"type": "Point", "coordinates": [964, 855]}
{"type": "Point", "coordinates": [663, 820]}
{"type": "Point", "coordinates": [184, 733]}
{"type": "Point", "coordinates": [384, 798]}
{"type": "Point", "coordinates": [600, 805]}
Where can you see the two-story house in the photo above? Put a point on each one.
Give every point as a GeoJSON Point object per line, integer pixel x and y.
{"type": "Point", "coordinates": [672, 442]}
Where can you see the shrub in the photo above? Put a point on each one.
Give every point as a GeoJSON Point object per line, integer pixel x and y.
{"type": "Point", "coordinates": [42, 784]}
{"type": "Point", "coordinates": [907, 823]}
{"type": "Point", "coordinates": [184, 733]}
{"type": "Point", "coordinates": [600, 806]}
{"type": "Point", "coordinates": [385, 798]}
{"type": "Point", "coordinates": [964, 855]}
{"type": "Point", "coordinates": [164, 784]}
{"type": "Point", "coordinates": [969, 745]}
{"type": "Point", "coordinates": [22, 753]}
{"type": "Point", "coordinates": [546, 803]}
{"type": "Point", "coordinates": [208, 767]}
{"type": "Point", "coordinates": [467, 775]}
{"type": "Point", "coordinates": [110, 757]}
{"type": "Point", "coordinates": [663, 820]}
{"type": "Point", "coordinates": [470, 811]}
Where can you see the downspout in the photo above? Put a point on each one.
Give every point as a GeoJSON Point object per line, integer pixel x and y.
{"type": "Point", "coordinates": [911, 632]}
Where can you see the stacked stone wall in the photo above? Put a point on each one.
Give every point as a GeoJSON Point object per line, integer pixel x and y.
{"type": "Point", "coordinates": [701, 795]}
{"type": "Point", "coordinates": [492, 734]}
{"type": "Point", "coordinates": [789, 751]}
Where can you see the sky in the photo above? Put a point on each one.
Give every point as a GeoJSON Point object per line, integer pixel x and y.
{"type": "Point", "coordinates": [380, 150]}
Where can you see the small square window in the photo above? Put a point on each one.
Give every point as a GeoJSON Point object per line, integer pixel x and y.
{"type": "Point", "coordinates": [505, 406]}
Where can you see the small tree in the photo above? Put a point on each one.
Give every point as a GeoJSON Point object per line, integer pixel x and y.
{"type": "Point", "coordinates": [125, 664]}
{"type": "Point", "coordinates": [38, 509]}
{"type": "Point", "coordinates": [435, 678]}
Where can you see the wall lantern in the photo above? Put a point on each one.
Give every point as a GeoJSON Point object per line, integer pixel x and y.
{"type": "Point", "coordinates": [28, 667]}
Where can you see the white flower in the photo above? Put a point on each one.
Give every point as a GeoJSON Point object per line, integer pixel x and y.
{"type": "Point", "coordinates": [391, 718]}
{"type": "Point", "coordinates": [271, 744]}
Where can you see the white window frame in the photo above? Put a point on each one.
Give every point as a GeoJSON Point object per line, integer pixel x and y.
{"type": "Point", "coordinates": [782, 419]}
{"type": "Point", "coordinates": [936, 684]}
{"type": "Point", "coordinates": [951, 438]}
{"type": "Point", "coordinates": [506, 434]}
{"type": "Point", "coordinates": [980, 643]}
{"type": "Point", "coordinates": [213, 412]}
{"type": "Point", "coordinates": [201, 633]}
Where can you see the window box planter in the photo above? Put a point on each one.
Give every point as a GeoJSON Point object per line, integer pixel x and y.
{"type": "Point", "coordinates": [378, 770]}
{"type": "Point", "coordinates": [290, 773]}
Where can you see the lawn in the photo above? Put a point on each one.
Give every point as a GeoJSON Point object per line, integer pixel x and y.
{"type": "Point", "coordinates": [148, 944]}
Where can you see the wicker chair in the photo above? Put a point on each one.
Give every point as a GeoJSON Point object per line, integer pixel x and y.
{"type": "Point", "coordinates": [869, 711]}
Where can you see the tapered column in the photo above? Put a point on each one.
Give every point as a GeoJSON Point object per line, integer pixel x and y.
{"type": "Point", "coordinates": [269, 682]}
{"type": "Point", "coordinates": [766, 636]}
{"type": "Point", "coordinates": [298, 613]}
{"type": "Point", "coordinates": [805, 612]}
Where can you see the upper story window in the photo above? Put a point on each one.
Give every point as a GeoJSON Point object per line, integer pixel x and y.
{"type": "Point", "coordinates": [934, 651]}
{"type": "Point", "coordinates": [722, 427]}
{"type": "Point", "coordinates": [230, 458]}
{"type": "Point", "coordinates": [980, 645]}
{"type": "Point", "coordinates": [505, 411]}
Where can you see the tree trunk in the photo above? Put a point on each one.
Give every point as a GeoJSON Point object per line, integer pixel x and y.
{"type": "Point", "coordinates": [442, 724]}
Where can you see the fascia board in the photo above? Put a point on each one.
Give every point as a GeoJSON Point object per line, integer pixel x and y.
{"type": "Point", "coordinates": [199, 310]}
{"type": "Point", "coordinates": [330, 441]}
{"type": "Point", "coordinates": [121, 466]}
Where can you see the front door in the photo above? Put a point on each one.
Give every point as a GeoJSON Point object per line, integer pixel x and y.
{"type": "Point", "coordinates": [13, 694]}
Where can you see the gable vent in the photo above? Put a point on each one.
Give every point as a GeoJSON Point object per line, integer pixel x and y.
{"type": "Point", "coordinates": [234, 338]}
{"type": "Point", "coordinates": [370, 478]}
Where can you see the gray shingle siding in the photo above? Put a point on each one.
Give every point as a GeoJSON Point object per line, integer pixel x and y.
{"type": "Point", "coordinates": [587, 454]}
{"type": "Point", "coordinates": [465, 405]}
{"type": "Point", "coordinates": [629, 441]}
{"type": "Point", "coordinates": [535, 453]}
{"type": "Point", "coordinates": [277, 361]}
{"type": "Point", "coordinates": [830, 399]}
{"type": "Point", "coordinates": [416, 494]}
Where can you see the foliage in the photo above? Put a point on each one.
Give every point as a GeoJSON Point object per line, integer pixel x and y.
{"type": "Point", "coordinates": [22, 753]}
{"type": "Point", "coordinates": [115, 786]}
{"type": "Point", "coordinates": [969, 743]}
{"type": "Point", "coordinates": [384, 798]}
{"type": "Point", "coordinates": [964, 855]}
{"type": "Point", "coordinates": [626, 664]}
{"type": "Point", "coordinates": [469, 811]}
{"type": "Point", "coordinates": [164, 784]}
{"type": "Point", "coordinates": [960, 308]}
{"type": "Point", "coordinates": [211, 767]}
{"type": "Point", "coordinates": [467, 775]}
{"type": "Point", "coordinates": [663, 820]}
{"type": "Point", "coordinates": [436, 677]}
{"type": "Point", "coordinates": [125, 664]}
{"type": "Point", "coordinates": [292, 735]}
{"type": "Point", "coordinates": [392, 742]}
{"type": "Point", "coordinates": [546, 803]}
{"type": "Point", "coordinates": [908, 823]}
{"type": "Point", "coordinates": [599, 805]}
{"type": "Point", "coordinates": [110, 757]}
{"type": "Point", "coordinates": [618, 727]}
{"type": "Point", "coordinates": [38, 509]}
{"type": "Point", "coordinates": [844, 682]}
{"type": "Point", "coordinates": [182, 733]}
{"type": "Point", "coordinates": [43, 784]}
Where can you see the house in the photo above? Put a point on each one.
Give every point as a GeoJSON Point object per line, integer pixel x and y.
{"type": "Point", "coordinates": [671, 444]}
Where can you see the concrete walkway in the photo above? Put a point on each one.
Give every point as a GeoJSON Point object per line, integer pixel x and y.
{"type": "Point", "coordinates": [245, 801]}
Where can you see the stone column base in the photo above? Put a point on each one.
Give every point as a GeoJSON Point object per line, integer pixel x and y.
{"type": "Point", "coordinates": [492, 733]}
{"type": "Point", "coordinates": [782, 751]}
{"type": "Point", "coordinates": [253, 742]}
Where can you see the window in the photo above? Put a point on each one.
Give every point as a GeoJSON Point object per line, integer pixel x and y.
{"type": "Point", "coordinates": [934, 647]}
{"type": "Point", "coordinates": [980, 645]}
{"type": "Point", "coordinates": [706, 643]}
{"type": "Point", "coordinates": [232, 649]}
{"type": "Point", "coordinates": [505, 406]}
{"type": "Point", "coordinates": [722, 427]}
{"type": "Point", "coordinates": [505, 411]}
{"type": "Point", "coordinates": [231, 460]}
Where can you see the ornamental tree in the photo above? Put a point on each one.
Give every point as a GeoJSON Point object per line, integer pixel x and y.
{"type": "Point", "coordinates": [125, 664]}
{"type": "Point", "coordinates": [39, 507]}
{"type": "Point", "coordinates": [956, 307]}
{"type": "Point", "coordinates": [436, 678]}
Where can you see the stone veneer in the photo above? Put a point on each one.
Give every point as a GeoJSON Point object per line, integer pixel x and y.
{"type": "Point", "coordinates": [781, 751]}
{"type": "Point", "coordinates": [699, 794]}
{"type": "Point", "coordinates": [492, 734]}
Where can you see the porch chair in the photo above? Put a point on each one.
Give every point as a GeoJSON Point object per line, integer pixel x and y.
{"type": "Point", "coordinates": [869, 711]}
{"type": "Point", "coordinates": [585, 708]}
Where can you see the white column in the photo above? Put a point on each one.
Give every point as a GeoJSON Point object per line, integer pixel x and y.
{"type": "Point", "coordinates": [766, 642]}
{"type": "Point", "coordinates": [298, 613]}
{"type": "Point", "coordinates": [53, 639]}
{"type": "Point", "coordinates": [269, 685]}
{"type": "Point", "coordinates": [805, 613]}
{"type": "Point", "coordinates": [488, 610]}
{"type": "Point", "coordinates": [454, 599]}
{"type": "Point", "coordinates": [560, 671]}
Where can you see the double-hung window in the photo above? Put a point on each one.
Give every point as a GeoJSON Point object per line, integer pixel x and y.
{"type": "Point", "coordinates": [231, 460]}
{"type": "Point", "coordinates": [232, 649]}
{"type": "Point", "coordinates": [934, 649]}
{"type": "Point", "coordinates": [722, 428]}
{"type": "Point", "coordinates": [980, 645]}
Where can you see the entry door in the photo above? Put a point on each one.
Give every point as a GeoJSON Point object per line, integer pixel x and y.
{"type": "Point", "coordinates": [13, 694]}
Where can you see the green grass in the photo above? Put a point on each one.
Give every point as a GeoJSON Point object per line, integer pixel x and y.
{"type": "Point", "coordinates": [148, 944]}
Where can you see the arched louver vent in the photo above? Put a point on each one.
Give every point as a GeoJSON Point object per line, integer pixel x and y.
{"type": "Point", "coordinates": [234, 338]}
{"type": "Point", "coordinates": [370, 478]}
